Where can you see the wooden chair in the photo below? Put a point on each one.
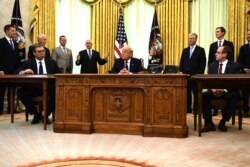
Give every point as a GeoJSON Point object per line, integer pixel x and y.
{"type": "Point", "coordinates": [219, 104]}
{"type": "Point", "coordinates": [38, 101]}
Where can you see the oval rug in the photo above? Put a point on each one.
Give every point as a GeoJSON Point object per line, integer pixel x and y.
{"type": "Point", "coordinates": [90, 162]}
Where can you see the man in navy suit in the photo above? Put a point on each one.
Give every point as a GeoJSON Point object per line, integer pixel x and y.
{"type": "Point", "coordinates": [38, 65]}
{"type": "Point", "coordinates": [89, 58]}
{"type": "Point", "coordinates": [127, 64]}
{"type": "Point", "coordinates": [222, 66]}
{"type": "Point", "coordinates": [220, 33]}
{"type": "Point", "coordinates": [244, 60]}
{"type": "Point", "coordinates": [193, 61]}
{"type": "Point", "coordinates": [9, 59]}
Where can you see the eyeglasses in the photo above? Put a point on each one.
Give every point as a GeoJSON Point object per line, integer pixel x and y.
{"type": "Point", "coordinates": [39, 51]}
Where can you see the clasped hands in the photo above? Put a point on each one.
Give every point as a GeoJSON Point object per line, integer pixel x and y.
{"type": "Point", "coordinates": [27, 71]}
{"type": "Point", "coordinates": [247, 70]}
{"type": "Point", "coordinates": [218, 92]}
{"type": "Point", "coordinates": [125, 71]}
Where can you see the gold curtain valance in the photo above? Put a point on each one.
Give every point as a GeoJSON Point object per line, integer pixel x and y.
{"type": "Point", "coordinates": [154, 1]}
{"type": "Point", "coordinates": [122, 2]}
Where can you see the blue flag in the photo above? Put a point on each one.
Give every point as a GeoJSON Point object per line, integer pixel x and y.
{"type": "Point", "coordinates": [17, 22]}
{"type": "Point", "coordinates": [155, 43]}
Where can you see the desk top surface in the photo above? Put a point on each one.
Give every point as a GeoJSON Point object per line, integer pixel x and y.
{"type": "Point", "coordinates": [221, 77]}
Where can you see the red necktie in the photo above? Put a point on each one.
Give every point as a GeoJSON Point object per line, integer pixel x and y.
{"type": "Point", "coordinates": [220, 68]}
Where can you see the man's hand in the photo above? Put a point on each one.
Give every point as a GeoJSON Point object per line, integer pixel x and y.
{"type": "Point", "coordinates": [78, 57]}
{"type": "Point", "coordinates": [124, 71]}
{"type": "Point", "coordinates": [27, 71]}
{"type": "Point", "coordinates": [106, 56]}
{"type": "Point", "coordinates": [1, 72]}
{"type": "Point", "coordinates": [247, 70]}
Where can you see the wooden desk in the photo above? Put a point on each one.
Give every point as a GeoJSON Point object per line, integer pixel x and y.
{"type": "Point", "coordinates": [13, 81]}
{"type": "Point", "coordinates": [141, 104]}
{"type": "Point", "coordinates": [206, 81]}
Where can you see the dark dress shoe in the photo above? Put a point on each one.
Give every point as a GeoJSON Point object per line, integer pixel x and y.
{"type": "Point", "coordinates": [222, 127]}
{"type": "Point", "coordinates": [208, 128]}
{"type": "Point", "coordinates": [35, 121]}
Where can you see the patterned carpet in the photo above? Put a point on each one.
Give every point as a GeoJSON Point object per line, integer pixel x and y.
{"type": "Point", "coordinates": [23, 144]}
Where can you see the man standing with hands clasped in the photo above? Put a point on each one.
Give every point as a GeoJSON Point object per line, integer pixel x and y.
{"type": "Point", "coordinates": [193, 61]}
{"type": "Point", "coordinates": [63, 56]}
{"type": "Point", "coordinates": [89, 58]}
{"type": "Point", "coordinates": [220, 33]}
{"type": "Point", "coordinates": [10, 59]}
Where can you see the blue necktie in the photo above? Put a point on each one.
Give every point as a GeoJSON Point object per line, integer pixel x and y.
{"type": "Point", "coordinates": [190, 51]}
{"type": "Point", "coordinates": [11, 44]}
{"type": "Point", "coordinates": [40, 68]}
{"type": "Point", "coordinates": [90, 54]}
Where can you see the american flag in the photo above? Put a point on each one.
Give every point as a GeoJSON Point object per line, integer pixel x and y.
{"type": "Point", "coordinates": [121, 38]}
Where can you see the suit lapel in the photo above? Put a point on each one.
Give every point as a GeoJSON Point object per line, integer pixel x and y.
{"type": "Point", "coordinates": [228, 68]}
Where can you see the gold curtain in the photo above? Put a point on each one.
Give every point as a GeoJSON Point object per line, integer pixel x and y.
{"type": "Point", "coordinates": [103, 31]}
{"type": "Point", "coordinates": [237, 23]}
{"type": "Point", "coordinates": [173, 23]}
{"type": "Point", "coordinates": [43, 21]}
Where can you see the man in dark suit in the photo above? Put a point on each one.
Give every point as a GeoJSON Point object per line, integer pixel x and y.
{"type": "Point", "coordinates": [127, 64]}
{"type": "Point", "coordinates": [89, 58]}
{"type": "Point", "coordinates": [193, 61]}
{"type": "Point", "coordinates": [244, 60]}
{"type": "Point", "coordinates": [221, 65]}
{"type": "Point", "coordinates": [220, 33]}
{"type": "Point", "coordinates": [41, 40]}
{"type": "Point", "coordinates": [10, 59]}
{"type": "Point", "coordinates": [38, 65]}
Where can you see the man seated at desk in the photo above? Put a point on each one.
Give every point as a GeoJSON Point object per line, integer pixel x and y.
{"type": "Point", "coordinates": [221, 66]}
{"type": "Point", "coordinates": [38, 65]}
{"type": "Point", "coordinates": [127, 64]}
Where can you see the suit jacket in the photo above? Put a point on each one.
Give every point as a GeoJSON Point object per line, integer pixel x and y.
{"type": "Point", "coordinates": [134, 66]}
{"type": "Point", "coordinates": [244, 56]}
{"type": "Point", "coordinates": [194, 65]}
{"type": "Point", "coordinates": [213, 49]}
{"type": "Point", "coordinates": [50, 64]}
{"type": "Point", "coordinates": [231, 68]}
{"type": "Point", "coordinates": [31, 55]}
{"type": "Point", "coordinates": [87, 65]}
{"type": "Point", "coordinates": [64, 62]}
{"type": "Point", "coordinates": [9, 58]}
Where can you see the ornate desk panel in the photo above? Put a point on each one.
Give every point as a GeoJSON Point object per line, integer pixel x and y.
{"type": "Point", "coordinates": [141, 104]}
